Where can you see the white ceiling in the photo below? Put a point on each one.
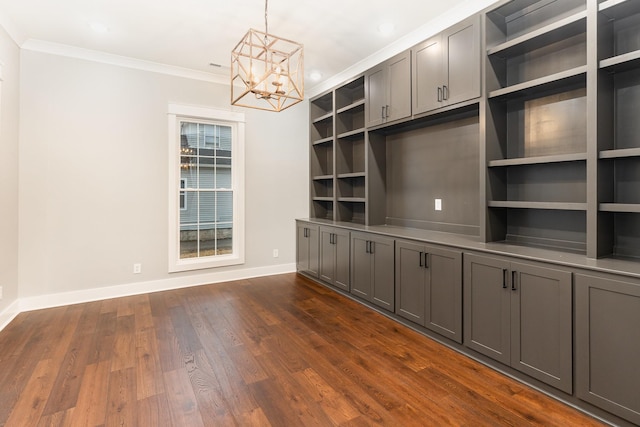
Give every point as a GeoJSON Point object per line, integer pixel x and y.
{"type": "Point", "coordinates": [337, 34]}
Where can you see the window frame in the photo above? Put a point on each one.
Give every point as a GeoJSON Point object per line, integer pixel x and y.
{"type": "Point", "coordinates": [176, 114]}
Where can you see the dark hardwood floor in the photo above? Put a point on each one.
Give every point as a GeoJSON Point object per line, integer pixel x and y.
{"type": "Point", "coordinates": [279, 351]}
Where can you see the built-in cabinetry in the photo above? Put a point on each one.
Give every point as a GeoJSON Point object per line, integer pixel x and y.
{"type": "Point", "coordinates": [429, 287]}
{"type": "Point", "coordinates": [608, 342]}
{"type": "Point", "coordinates": [388, 90]}
{"type": "Point", "coordinates": [321, 156]}
{"type": "Point", "coordinates": [446, 68]}
{"type": "Point", "coordinates": [307, 248]}
{"type": "Point", "coordinates": [372, 265]}
{"type": "Point", "coordinates": [520, 314]}
{"type": "Point", "coordinates": [334, 257]}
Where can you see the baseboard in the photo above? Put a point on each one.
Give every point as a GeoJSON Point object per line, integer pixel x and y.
{"type": "Point", "coordinates": [96, 294]}
{"type": "Point", "coordinates": [9, 313]}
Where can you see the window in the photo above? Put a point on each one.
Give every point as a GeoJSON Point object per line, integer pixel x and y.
{"type": "Point", "coordinates": [206, 218]}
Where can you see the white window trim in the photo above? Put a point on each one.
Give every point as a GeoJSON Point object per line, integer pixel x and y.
{"type": "Point", "coordinates": [177, 112]}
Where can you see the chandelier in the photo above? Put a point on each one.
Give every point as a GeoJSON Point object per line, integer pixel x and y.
{"type": "Point", "coordinates": [267, 72]}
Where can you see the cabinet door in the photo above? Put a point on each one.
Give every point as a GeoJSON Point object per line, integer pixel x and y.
{"type": "Point", "coordinates": [443, 303]}
{"type": "Point", "coordinates": [410, 281]}
{"type": "Point", "coordinates": [341, 244]}
{"type": "Point", "coordinates": [608, 344]}
{"type": "Point", "coordinates": [541, 324]}
{"type": "Point", "coordinates": [360, 266]}
{"type": "Point", "coordinates": [487, 307]}
{"type": "Point", "coordinates": [383, 280]}
{"type": "Point", "coordinates": [376, 95]}
{"type": "Point", "coordinates": [399, 96]}
{"type": "Point", "coordinates": [428, 76]}
{"type": "Point", "coordinates": [327, 267]}
{"type": "Point", "coordinates": [302, 247]}
{"type": "Point", "coordinates": [462, 65]}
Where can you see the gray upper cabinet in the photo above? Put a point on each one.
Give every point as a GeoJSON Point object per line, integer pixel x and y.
{"type": "Point", "coordinates": [334, 257]}
{"type": "Point", "coordinates": [608, 344]}
{"type": "Point", "coordinates": [429, 287]}
{"type": "Point", "coordinates": [372, 267]}
{"type": "Point", "coordinates": [446, 68]}
{"type": "Point", "coordinates": [388, 90]}
{"type": "Point", "coordinates": [521, 315]}
{"type": "Point", "coordinates": [307, 248]}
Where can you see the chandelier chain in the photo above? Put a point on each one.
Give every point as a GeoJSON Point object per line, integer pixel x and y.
{"type": "Point", "coordinates": [266, 24]}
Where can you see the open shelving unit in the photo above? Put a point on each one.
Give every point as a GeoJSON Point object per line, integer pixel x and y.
{"type": "Point", "coordinates": [536, 142]}
{"type": "Point", "coordinates": [321, 158]}
{"type": "Point", "coordinates": [619, 128]}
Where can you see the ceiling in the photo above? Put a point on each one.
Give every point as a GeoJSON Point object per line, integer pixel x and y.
{"type": "Point", "coordinates": [192, 34]}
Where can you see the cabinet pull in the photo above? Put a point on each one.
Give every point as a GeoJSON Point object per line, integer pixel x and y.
{"type": "Point", "coordinates": [504, 278]}
{"type": "Point", "coordinates": [331, 238]}
{"type": "Point", "coordinates": [420, 259]}
{"type": "Point", "coordinates": [371, 247]}
{"type": "Point", "coordinates": [514, 274]}
{"type": "Point", "coordinates": [445, 92]}
{"type": "Point", "coordinates": [386, 112]}
{"type": "Point", "coordinates": [439, 94]}
{"type": "Point", "coordinates": [305, 232]}
{"type": "Point", "coordinates": [426, 262]}
{"type": "Point", "coordinates": [382, 115]}
{"type": "Point", "coordinates": [366, 246]}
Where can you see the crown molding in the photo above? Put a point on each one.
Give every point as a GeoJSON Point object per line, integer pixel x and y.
{"type": "Point", "coordinates": [11, 29]}
{"type": "Point", "coordinates": [121, 61]}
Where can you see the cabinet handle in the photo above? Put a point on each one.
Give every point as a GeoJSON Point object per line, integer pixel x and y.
{"type": "Point", "coordinates": [382, 115]}
{"type": "Point", "coordinates": [371, 247]}
{"type": "Point", "coordinates": [504, 278]}
{"type": "Point", "coordinates": [386, 112]}
{"type": "Point", "coordinates": [420, 259]}
{"type": "Point", "coordinates": [439, 94]}
{"type": "Point", "coordinates": [514, 274]}
{"type": "Point", "coordinates": [304, 234]}
{"type": "Point", "coordinates": [366, 246]}
{"type": "Point", "coordinates": [426, 263]}
{"type": "Point", "coordinates": [445, 92]}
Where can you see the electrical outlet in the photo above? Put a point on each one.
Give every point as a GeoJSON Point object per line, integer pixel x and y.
{"type": "Point", "coordinates": [275, 253]}
{"type": "Point", "coordinates": [438, 205]}
{"type": "Point", "coordinates": [137, 268]}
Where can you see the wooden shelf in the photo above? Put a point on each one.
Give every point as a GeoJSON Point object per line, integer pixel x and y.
{"type": "Point", "coordinates": [616, 9]}
{"type": "Point", "coordinates": [322, 177]}
{"type": "Point", "coordinates": [547, 83]}
{"type": "Point", "coordinates": [323, 117]}
{"type": "Point", "coordinates": [564, 28]}
{"type": "Point", "coordinates": [619, 207]}
{"type": "Point", "coordinates": [323, 141]}
{"type": "Point", "coordinates": [351, 134]}
{"type": "Point", "coordinates": [560, 206]}
{"type": "Point", "coordinates": [352, 175]}
{"type": "Point", "coordinates": [538, 160]}
{"type": "Point", "coordinates": [352, 199]}
{"type": "Point", "coordinates": [622, 62]}
{"type": "Point", "coordinates": [358, 103]}
{"type": "Point", "coordinates": [620, 153]}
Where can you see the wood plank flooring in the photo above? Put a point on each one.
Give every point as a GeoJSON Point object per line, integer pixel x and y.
{"type": "Point", "coordinates": [272, 351]}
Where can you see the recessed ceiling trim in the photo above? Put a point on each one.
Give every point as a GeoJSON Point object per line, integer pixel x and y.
{"type": "Point", "coordinates": [121, 61]}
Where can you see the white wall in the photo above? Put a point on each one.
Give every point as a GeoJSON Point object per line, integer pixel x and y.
{"type": "Point", "coordinates": [9, 106]}
{"type": "Point", "coordinates": [93, 175]}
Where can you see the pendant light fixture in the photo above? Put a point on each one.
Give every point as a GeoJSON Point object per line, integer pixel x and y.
{"type": "Point", "coordinates": [267, 72]}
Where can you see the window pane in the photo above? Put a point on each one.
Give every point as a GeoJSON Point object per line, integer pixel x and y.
{"type": "Point", "coordinates": [225, 238]}
{"type": "Point", "coordinates": [225, 206]}
{"type": "Point", "coordinates": [223, 177]}
{"type": "Point", "coordinates": [188, 241]}
{"type": "Point", "coordinates": [207, 239]}
{"type": "Point", "coordinates": [190, 214]}
{"type": "Point", "coordinates": [207, 207]}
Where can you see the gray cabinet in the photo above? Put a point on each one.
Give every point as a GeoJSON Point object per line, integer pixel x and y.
{"type": "Point", "coordinates": [446, 68]}
{"type": "Point", "coordinates": [388, 90]}
{"type": "Point", "coordinates": [429, 287]}
{"type": "Point", "coordinates": [608, 344]}
{"type": "Point", "coordinates": [521, 315]}
{"type": "Point", "coordinates": [372, 267]}
{"type": "Point", "coordinates": [307, 248]}
{"type": "Point", "coordinates": [334, 257]}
